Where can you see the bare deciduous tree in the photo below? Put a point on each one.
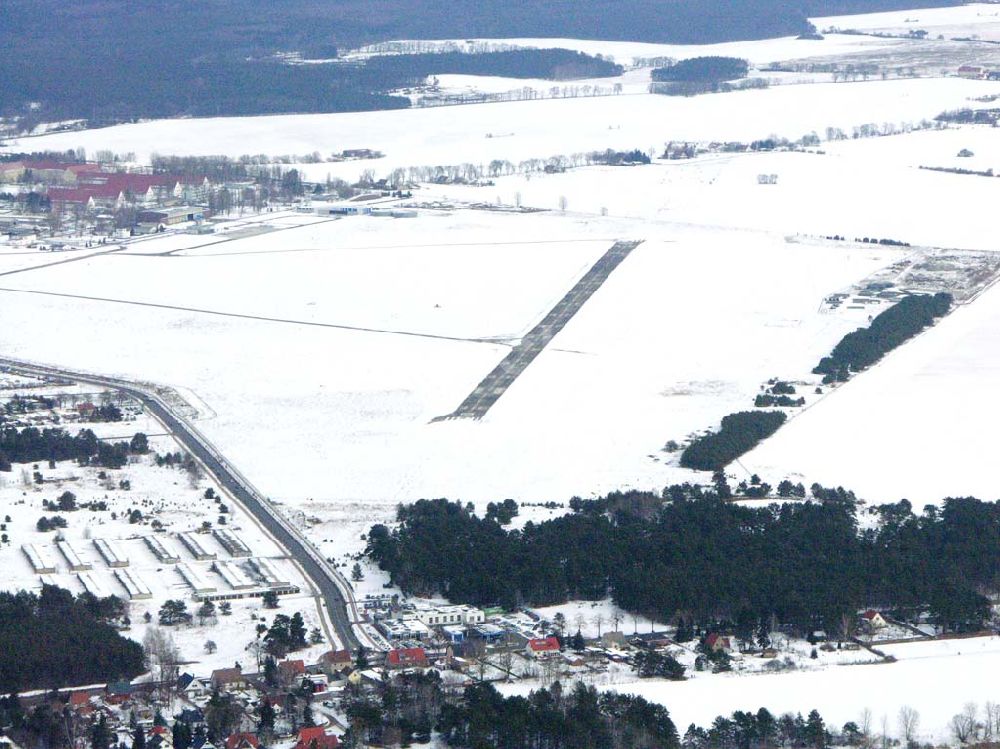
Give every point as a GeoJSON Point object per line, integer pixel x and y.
{"type": "Point", "coordinates": [909, 720]}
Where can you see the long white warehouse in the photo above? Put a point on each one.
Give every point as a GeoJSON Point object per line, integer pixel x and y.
{"type": "Point", "coordinates": [137, 589]}
{"type": "Point", "coordinates": [270, 573]}
{"type": "Point", "coordinates": [235, 577]}
{"type": "Point", "coordinates": [41, 559]}
{"type": "Point", "coordinates": [162, 549]}
{"type": "Point", "coordinates": [111, 552]}
{"type": "Point", "coordinates": [73, 557]}
{"type": "Point", "coordinates": [193, 577]}
{"type": "Point", "coordinates": [195, 546]}
{"type": "Point", "coordinates": [231, 543]}
{"type": "Point", "coordinates": [93, 585]}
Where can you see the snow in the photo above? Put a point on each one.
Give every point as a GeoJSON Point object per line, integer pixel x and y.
{"type": "Point", "coordinates": [936, 681]}
{"type": "Point", "coordinates": [479, 133]}
{"type": "Point", "coordinates": [759, 52]}
{"type": "Point", "coordinates": [165, 494]}
{"type": "Point", "coordinates": [318, 352]}
{"type": "Point", "coordinates": [974, 20]}
{"type": "Point", "coordinates": [909, 427]}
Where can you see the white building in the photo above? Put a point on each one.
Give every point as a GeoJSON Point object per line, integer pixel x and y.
{"type": "Point", "coordinates": [442, 615]}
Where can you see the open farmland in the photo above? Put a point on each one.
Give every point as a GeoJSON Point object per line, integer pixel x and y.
{"type": "Point", "coordinates": [516, 131]}
{"type": "Point", "coordinates": [339, 360]}
{"type": "Point", "coordinates": [843, 693]}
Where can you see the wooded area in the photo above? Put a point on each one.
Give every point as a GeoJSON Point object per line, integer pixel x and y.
{"type": "Point", "coordinates": [808, 564]}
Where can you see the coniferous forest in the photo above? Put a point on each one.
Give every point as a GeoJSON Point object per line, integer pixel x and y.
{"type": "Point", "coordinates": [808, 564]}
{"type": "Point", "coordinates": [206, 59]}
{"type": "Point", "coordinates": [53, 640]}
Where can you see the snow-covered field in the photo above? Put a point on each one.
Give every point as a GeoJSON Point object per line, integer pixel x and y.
{"type": "Point", "coordinates": [974, 20]}
{"type": "Point", "coordinates": [516, 131]}
{"type": "Point", "coordinates": [911, 427]}
{"type": "Point", "coordinates": [319, 352]}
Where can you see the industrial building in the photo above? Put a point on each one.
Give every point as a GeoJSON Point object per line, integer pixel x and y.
{"type": "Point", "coordinates": [193, 577]}
{"type": "Point", "coordinates": [235, 577]}
{"type": "Point", "coordinates": [231, 543]}
{"type": "Point", "coordinates": [111, 552]}
{"type": "Point", "coordinates": [92, 584]}
{"type": "Point", "coordinates": [195, 546]}
{"type": "Point", "coordinates": [136, 588]}
{"type": "Point", "coordinates": [162, 549]}
{"type": "Point", "coordinates": [76, 564]}
{"type": "Point", "coordinates": [41, 559]}
{"type": "Point", "coordinates": [268, 570]}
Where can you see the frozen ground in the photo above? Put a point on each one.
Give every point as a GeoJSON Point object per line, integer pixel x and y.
{"type": "Point", "coordinates": [975, 20]}
{"type": "Point", "coordinates": [517, 131]}
{"type": "Point", "coordinates": [172, 497]}
{"type": "Point", "coordinates": [851, 190]}
{"type": "Point", "coordinates": [912, 426]}
{"type": "Point", "coordinates": [936, 681]}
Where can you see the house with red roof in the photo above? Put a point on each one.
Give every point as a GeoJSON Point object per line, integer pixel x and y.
{"type": "Point", "coordinates": [716, 642]}
{"type": "Point", "coordinates": [873, 620]}
{"type": "Point", "coordinates": [289, 671]}
{"type": "Point", "coordinates": [316, 737]}
{"type": "Point", "coordinates": [539, 647]}
{"type": "Point", "coordinates": [242, 740]}
{"type": "Point", "coordinates": [334, 661]}
{"type": "Point", "coordinates": [406, 658]}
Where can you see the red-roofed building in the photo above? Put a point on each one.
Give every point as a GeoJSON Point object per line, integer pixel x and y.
{"type": "Point", "coordinates": [289, 671]}
{"type": "Point", "coordinates": [873, 619]}
{"type": "Point", "coordinates": [318, 735]}
{"type": "Point", "coordinates": [406, 658]}
{"type": "Point", "coordinates": [242, 741]}
{"type": "Point", "coordinates": [541, 646]}
{"type": "Point", "coordinates": [716, 642]}
{"type": "Point", "coordinates": [114, 189]}
{"type": "Point", "coordinates": [334, 661]}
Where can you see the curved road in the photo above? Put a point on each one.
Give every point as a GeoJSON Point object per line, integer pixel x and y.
{"type": "Point", "coordinates": [334, 588]}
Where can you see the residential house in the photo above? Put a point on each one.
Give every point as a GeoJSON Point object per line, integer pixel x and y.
{"type": "Point", "coordinates": [242, 740]}
{"type": "Point", "coordinates": [333, 662]}
{"type": "Point", "coordinates": [291, 671]}
{"type": "Point", "coordinates": [406, 658]}
{"type": "Point", "coordinates": [316, 737]}
{"type": "Point", "coordinates": [228, 678]}
{"type": "Point", "coordinates": [539, 647]}
{"type": "Point", "coordinates": [716, 642]}
{"type": "Point", "coordinates": [873, 620]}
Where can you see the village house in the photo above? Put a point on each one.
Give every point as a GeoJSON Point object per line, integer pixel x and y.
{"type": "Point", "coordinates": [406, 658]}
{"type": "Point", "coordinates": [242, 740]}
{"type": "Point", "coordinates": [716, 642]}
{"type": "Point", "coordinates": [333, 662]}
{"type": "Point", "coordinates": [873, 620]}
{"type": "Point", "coordinates": [289, 672]}
{"type": "Point", "coordinates": [540, 647]}
{"type": "Point", "coordinates": [228, 678]}
{"type": "Point", "coordinates": [315, 737]}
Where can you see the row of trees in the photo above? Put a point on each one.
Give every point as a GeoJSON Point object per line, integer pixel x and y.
{"type": "Point", "coordinates": [739, 433]}
{"type": "Point", "coordinates": [807, 565]}
{"type": "Point", "coordinates": [30, 444]}
{"type": "Point", "coordinates": [889, 329]}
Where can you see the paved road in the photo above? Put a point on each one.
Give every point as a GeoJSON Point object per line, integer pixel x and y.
{"type": "Point", "coordinates": [495, 384]}
{"type": "Point", "coordinates": [333, 588]}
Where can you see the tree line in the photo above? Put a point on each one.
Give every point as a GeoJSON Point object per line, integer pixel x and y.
{"type": "Point", "coordinates": [703, 70]}
{"type": "Point", "coordinates": [30, 444]}
{"type": "Point", "coordinates": [807, 565]}
{"type": "Point", "coordinates": [889, 329]}
{"type": "Point", "coordinates": [739, 433]}
{"type": "Point", "coordinates": [52, 639]}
